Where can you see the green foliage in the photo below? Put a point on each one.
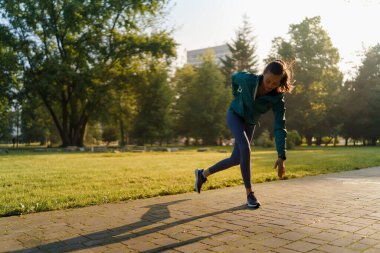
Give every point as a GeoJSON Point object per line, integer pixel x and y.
{"type": "Point", "coordinates": [264, 140]}
{"type": "Point", "coordinates": [362, 95]}
{"type": "Point", "coordinates": [9, 66]}
{"type": "Point", "coordinates": [122, 102]}
{"type": "Point", "coordinates": [9, 82]}
{"type": "Point", "coordinates": [110, 133]}
{"type": "Point", "coordinates": [243, 53]}
{"type": "Point", "coordinates": [183, 82]}
{"type": "Point", "coordinates": [153, 120]}
{"type": "Point", "coordinates": [293, 139]}
{"type": "Point", "coordinates": [5, 121]}
{"type": "Point", "coordinates": [93, 133]}
{"type": "Point", "coordinates": [202, 101]}
{"type": "Point", "coordinates": [36, 123]}
{"type": "Point", "coordinates": [68, 51]}
{"type": "Point", "coordinates": [326, 140]}
{"type": "Point", "coordinates": [314, 102]}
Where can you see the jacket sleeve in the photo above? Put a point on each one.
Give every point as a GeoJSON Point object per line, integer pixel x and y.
{"type": "Point", "coordinates": [235, 83]}
{"type": "Point", "coordinates": [279, 126]}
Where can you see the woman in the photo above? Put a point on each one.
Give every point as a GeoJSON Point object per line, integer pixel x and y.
{"type": "Point", "coordinates": [254, 95]}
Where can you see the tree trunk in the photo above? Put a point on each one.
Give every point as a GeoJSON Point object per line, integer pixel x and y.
{"type": "Point", "coordinates": [65, 139]}
{"type": "Point", "coordinates": [309, 140]}
{"type": "Point", "coordinates": [65, 135]}
{"type": "Point", "coordinates": [318, 141]}
{"type": "Point", "coordinates": [79, 141]}
{"type": "Point", "coordinates": [346, 141]}
{"type": "Point", "coordinates": [122, 134]}
{"type": "Point", "coordinates": [127, 139]}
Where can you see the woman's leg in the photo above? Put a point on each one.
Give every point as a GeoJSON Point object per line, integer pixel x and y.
{"type": "Point", "coordinates": [246, 171]}
{"type": "Point", "coordinates": [241, 152]}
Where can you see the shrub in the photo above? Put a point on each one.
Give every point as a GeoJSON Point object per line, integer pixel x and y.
{"type": "Point", "coordinates": [110, 133]}
{"type": "Point", "coordinates": [293, 139]}
{"type": "Point", "coordinates": [264, 140]}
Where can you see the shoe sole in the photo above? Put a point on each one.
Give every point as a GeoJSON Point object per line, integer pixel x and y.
{"type": "Point", "coordinates": [196, 181]}
{"type": "Point", "coordinates": [254, 206]}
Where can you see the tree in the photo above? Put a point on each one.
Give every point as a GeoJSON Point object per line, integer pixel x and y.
{"type": "Point", "coordinates": [67, 50]}
{"type": "Point", "coordinates": [182, 82]}
{"type": "Point", "coordinates": [122, 110]}
{"type": "Point", "coordinates": [243, 52]}
{"type": "Point", "coordinates": [319, 80]}
{"type": "Point", "coordinates": [110, 133]}
{"type": "Point", "coordinates": [362, 101]}
{"type": "Point", "coordinates": [121, 101]}
{"type": "Point", "coordinates": [5, 121]}
{"type": "Point", "coordinates": [348, 112]}
{"type": "Point", "coordinates": [36, 125]}
{"type": "Point", "coordinates": [93, 133]}
{"type": "Point", "coordinates": [153, 120]}
{"type": "Point", "coordinates": [9, 81]}
{"type": "Point", "coordinates": [207, 102]}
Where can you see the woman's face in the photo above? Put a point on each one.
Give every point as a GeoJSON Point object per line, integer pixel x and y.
{"type": "Point", "coordinates": [271, 81]}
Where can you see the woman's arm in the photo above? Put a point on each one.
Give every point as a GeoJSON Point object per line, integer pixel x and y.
{"type": "Point", "coordinates": [280, 135]}
{"type": "Point", "coordinates": [279, 127]}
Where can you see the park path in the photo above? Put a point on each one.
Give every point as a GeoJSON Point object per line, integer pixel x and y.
{"type": "Point", "coordinates": [337, 212]}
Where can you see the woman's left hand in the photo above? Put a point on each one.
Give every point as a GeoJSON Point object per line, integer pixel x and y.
{"type": "Point", "coordinates": [280, 165]}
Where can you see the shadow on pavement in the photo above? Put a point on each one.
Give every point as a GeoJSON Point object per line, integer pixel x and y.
{"type": "Point", "coordinates": [156, 213]}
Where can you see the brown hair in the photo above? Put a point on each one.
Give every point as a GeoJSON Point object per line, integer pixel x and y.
{"type": "Point", "coordinates": [280, 67]}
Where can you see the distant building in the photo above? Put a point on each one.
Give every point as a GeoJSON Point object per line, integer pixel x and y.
{"type": "Point", "coordinates": [194, 57]}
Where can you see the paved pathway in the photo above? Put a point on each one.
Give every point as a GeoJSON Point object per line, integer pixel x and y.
{"type": "Point", "coordinates": [329, 213]}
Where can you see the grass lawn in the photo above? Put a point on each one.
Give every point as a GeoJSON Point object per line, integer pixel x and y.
{"type": "Point", "coordinates": [33, 182]}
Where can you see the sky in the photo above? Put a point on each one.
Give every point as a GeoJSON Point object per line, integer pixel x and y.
{"type": "Point", "coordinates": [351, 24]}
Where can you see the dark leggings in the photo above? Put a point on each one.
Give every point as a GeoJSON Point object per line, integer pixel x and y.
{"type": "Point", "coordinates": [241, 153]}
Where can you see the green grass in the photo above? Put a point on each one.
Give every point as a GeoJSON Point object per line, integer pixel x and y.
{"type": "Point", "coordinates": [33, 182]}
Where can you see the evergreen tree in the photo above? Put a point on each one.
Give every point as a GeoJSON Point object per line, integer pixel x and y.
{"type": "Point", "coordinates": [243, 53]}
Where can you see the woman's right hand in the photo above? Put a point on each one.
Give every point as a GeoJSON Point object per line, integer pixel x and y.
{"type": "Point", "coordinates": [280, 165]}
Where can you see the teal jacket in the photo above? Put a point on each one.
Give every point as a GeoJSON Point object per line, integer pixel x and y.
{"type": "Point", "coordinates": [246, 105]}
